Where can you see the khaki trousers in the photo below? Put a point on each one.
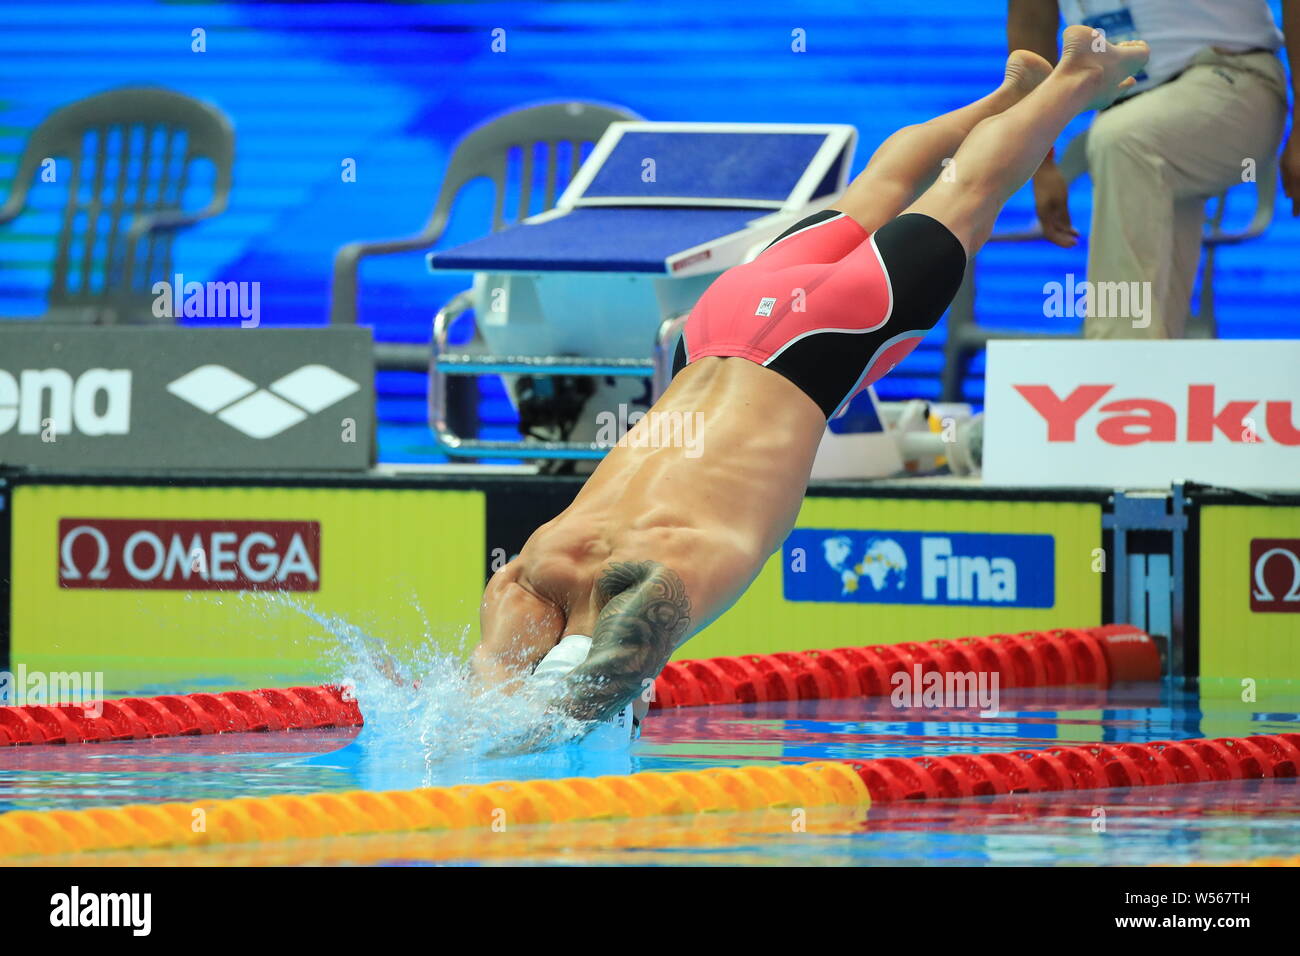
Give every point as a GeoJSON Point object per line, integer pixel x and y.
{"type": "Point", "coordinates": [1154, 161]}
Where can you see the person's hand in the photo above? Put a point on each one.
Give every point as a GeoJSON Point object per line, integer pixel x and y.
{"type": "Point", "coordinates": [1289, 165]}
{"type": "Point", "coordinates": [1052, 202]}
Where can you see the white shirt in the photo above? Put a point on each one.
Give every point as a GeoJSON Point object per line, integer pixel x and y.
{"type": "Point", "coordinates": [1179, 29]}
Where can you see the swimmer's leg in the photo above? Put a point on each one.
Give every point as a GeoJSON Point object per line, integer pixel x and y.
{"type": "Point", "coordinates": [912, 158]}
{"type": "Point", "coordinates": [1003, 151]}
{"type": "Point", "coordinates": [518, 629]}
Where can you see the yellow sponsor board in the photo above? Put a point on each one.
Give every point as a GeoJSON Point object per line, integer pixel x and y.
{"type": "Point", "coordinates": [402, 565]}
{"type": "Point", "coordinates": [765, 621]}
{"type": "Point", "coordinates": [1249, 598]}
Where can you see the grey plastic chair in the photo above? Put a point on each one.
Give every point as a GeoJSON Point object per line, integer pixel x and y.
{"type": "Point", "coordinates": [484, 152]}
{"type": "Point", "coordinates": [966, 337]}
{"type": "Point", "coordinates": [132, 151]}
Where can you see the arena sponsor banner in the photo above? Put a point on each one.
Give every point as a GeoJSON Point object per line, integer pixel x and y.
{"type": "Point", "coordinates": [911, 567]}
{"type": "Point", "coordinates": [184, 398]}
{"type": "Point", "coordinates": [244, 585]}
{"type": "Point", "coordinates": [884, 570]}
{"type": "Point", "coordinates": [1143, 414]}
{"type": "Point", "coordinates": [1249, 608]}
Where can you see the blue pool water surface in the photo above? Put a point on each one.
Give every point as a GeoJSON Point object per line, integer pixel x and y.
{"type": "Point", "coordinates": [1213, 822]}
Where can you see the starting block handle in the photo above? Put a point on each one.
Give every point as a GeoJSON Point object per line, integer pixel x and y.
{"type": "Point", "coordinates": [542, 365]}
{"type": "Point", "coordinates": [443, 364]}
{"type": "Point", "coordinates": [475, 448]}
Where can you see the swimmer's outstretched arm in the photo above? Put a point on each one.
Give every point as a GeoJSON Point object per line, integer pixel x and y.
{"type": "Point", "coordinates": [646, 615]}
{"type": "Point", "coordinates": [518, 628]}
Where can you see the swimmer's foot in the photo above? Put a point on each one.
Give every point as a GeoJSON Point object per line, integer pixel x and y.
{"type": "Point", "coordinates": [1107, 67]}
{"type": "Point", "coordinates": [1025, 70]}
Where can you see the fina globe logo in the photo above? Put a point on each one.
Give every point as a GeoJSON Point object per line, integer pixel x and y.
{"type": "Point", "coordinates": [924, 568]}
{"type": "Point", "coordinates": [262, 412]}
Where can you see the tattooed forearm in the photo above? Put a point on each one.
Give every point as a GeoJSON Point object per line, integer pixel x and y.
{"type": "Point", "coordinates": [646, 614]}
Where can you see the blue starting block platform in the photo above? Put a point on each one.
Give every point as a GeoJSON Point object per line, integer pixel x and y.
{"type": "Point", "coordinates": [601, 284]}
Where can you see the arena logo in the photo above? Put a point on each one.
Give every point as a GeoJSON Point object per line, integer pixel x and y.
{"type": "Point", "coordinates": [1134, 421]}
{"type": "Point", "coordinates": [52, 402]}
{"type": "Point", "coordinates": [257, 412]}
{"type": "Point", "coordinates": [194, 555]}
{"type": "Point", "coordinates": [925, 568]}
{"type": "Point", "coordinates": [1275, 575]}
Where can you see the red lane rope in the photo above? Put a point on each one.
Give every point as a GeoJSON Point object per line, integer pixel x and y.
{"type": "Point", "coordinates": [1093, 657]}
{"type": "Point", "coordinates": [1084, 767]}
{"type": "Point", "coordinates": [1096, 657]}
{"type": "Point", "coordinates": [135, 718]}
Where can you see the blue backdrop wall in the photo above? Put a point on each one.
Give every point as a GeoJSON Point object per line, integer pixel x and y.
{"type": "Point", "coordinates": [392, 85]}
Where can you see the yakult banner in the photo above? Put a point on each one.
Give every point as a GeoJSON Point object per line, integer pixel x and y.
{"type": "Point", "coordinates": [174, 398]}
{"type": "Point", "coordinates": [1143, 414]}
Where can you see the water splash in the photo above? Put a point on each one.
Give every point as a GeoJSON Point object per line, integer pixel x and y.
{"type": "Point", "coordinates": [425, 713]}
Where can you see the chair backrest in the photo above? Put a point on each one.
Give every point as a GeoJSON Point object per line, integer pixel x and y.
{"type": "Point", "coordinates": [132, 151]}
{"type": "Point", "coordinates": [520, 136]}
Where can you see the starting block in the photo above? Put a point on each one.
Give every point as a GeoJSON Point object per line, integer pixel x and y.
{"type": "Point", "coordinates": [601, 285]}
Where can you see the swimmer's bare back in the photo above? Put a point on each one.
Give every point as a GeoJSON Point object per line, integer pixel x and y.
{"type": "Point", "coordinates": [663, 536]}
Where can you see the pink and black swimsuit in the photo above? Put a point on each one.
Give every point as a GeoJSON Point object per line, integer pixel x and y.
{"type": "Point", "coordinates": [829, 306]}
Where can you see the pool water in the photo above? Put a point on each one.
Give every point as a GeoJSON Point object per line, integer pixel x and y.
{"type": "Point", "coordinates": [1215, 822]}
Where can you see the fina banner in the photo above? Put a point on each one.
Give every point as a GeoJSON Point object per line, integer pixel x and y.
{"type": "Point", "coordinates": [1143, 414]}
{"type": "Point", "coordinates": [920, 568]}
{"type": "Point", "coordinates": [180, 398]}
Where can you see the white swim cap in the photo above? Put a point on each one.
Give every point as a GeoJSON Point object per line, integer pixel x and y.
{"type": "Point", "coordinates": [559, 661]}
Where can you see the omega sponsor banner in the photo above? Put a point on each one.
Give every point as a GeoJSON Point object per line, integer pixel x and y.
{"type": "Point", "coordinates": [189, 555]}
{"type": "Point", "coordinates": [238, 584]}
{"type": "Point", "coordinates": [1143, 414]}
{"type": "Point", "coordinates": [1275, 576]}
{"type": "Point", "coordinates": [180, 398]}
{"type": "Point", "coordinates": [1249, 585]}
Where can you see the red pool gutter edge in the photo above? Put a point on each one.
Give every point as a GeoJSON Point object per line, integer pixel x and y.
{"type": "Point", "coordinates": [1093, 657]}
